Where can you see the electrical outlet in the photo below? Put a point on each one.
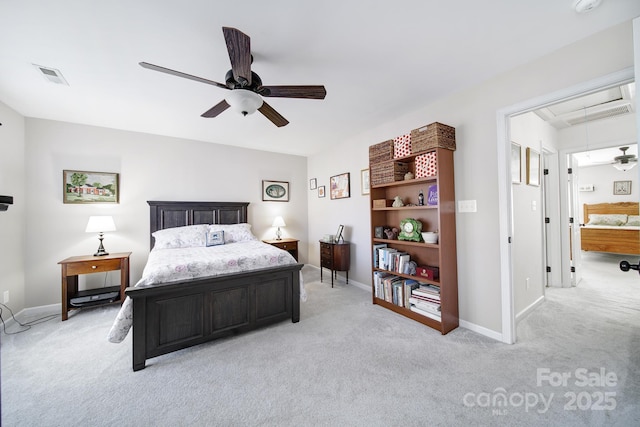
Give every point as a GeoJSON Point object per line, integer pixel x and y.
{"type": "Point", "coordinates": [527, 282]}
{"type": "Point", "coordinates": [6, 297]}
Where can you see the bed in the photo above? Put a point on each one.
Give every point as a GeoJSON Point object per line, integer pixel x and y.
{"type": "Point", "coordinates": [611, 227]}
{"type": "Point", "coordinates": [176, 314]}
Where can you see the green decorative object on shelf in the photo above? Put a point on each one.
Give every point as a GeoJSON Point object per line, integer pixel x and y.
{"type": "Point", "coordinates": [410, 229]}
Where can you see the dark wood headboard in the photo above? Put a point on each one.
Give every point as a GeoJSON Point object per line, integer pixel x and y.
{"type": "Point", "coordinates": [178, 214]}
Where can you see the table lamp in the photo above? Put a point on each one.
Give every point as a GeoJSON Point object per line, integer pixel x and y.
{"type": "Point", "coordinates": [99, 224]}
{"type": "Point", "coordinates": [278, 222]}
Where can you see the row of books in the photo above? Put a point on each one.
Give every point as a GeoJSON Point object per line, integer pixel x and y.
{"type": "Point", "coordinates": [421, 298]}
{"type": "Point", "coordinates": [390, 259]}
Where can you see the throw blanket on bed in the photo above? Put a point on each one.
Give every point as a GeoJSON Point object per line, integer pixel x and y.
{"type": "Point", "coordinates": [171, 265]}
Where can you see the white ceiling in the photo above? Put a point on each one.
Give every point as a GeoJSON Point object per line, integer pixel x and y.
{"type": "Point", "coordinates": [377, 59]}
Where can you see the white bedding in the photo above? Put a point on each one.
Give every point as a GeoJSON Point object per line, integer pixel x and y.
{"type": "Point", "coordinates": [171, 265]}
{"type": "Point", "coordinates": [612, 227]}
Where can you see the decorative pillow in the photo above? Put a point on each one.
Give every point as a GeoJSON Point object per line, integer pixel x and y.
{"type": "Point", "coordinates": [234, 232]}
{"type": "Point", "coordinates": [611, 219]}
{"type": "Point", "coordinates": [633, 220]}
{"type": "Point", "coordinates": [215, 238]}
{"type": "Point", "coordinates": [181, 237]}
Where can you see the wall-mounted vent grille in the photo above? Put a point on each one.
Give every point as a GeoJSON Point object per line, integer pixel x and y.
{"type": "Point", "coordinates": [51, 75]}
{"type": "Point", "coordinates": [601, 114]}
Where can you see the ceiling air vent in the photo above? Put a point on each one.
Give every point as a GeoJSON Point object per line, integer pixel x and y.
{"type": "Point", "coordinates": [51, 74]}
{"type": "Point", "coordinates": [601, 114]}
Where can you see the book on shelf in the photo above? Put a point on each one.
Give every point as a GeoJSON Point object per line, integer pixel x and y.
{"type": "Point", "coordinates": [426, 293]}
{"type": "Point", "coordinates": [426, 313]}
{"type": "Point", "coordinates": [425, 305]}
{"type": "Point", "coordinates": [426, 298]}
{"type": "Point", "coordinates": [409, 285]}
{"type": "Point", "coordinates": [385, 255]}
{"type": "Point", "coordinates": [376, 253]}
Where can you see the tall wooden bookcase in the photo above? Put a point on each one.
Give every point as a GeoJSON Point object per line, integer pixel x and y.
{"type": "Point", "coordinates": [439, 217]}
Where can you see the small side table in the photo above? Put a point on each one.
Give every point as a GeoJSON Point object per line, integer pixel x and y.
{"type": "Point", "coordinates": [86, 264]}
{"type": "Point", "coordinates": [335, 257]}
{"type": "Point", "coordinates": [289, 245]}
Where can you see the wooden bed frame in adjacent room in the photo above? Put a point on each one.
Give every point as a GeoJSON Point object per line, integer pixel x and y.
{"type": "Point", "coordinates": [617, 241]}
{"type": "Point", "coordinates": [170, 317]}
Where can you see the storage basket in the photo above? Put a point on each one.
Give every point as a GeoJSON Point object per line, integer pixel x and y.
{"type": "Point", "coordinates": [381, 152]}
{"type": "Point", "coordinates": [433, 136]}
{"type": "Point", "coordinates": [386, 172]}
{"type": "Point", "coordinates": [402, 146]}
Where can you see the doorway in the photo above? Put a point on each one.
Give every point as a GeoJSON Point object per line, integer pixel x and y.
{"type": "Point", "coordinates": [506, 194]}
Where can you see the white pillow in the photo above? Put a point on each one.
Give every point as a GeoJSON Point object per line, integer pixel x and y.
{"type": "Point", "coordinates": [610, 219]}
{"type": "Point", "coordinates": [633, 220]}
{"type": "Point", "coordinates": [234, 232]}
{"type": "Point", "coordinates": [188, 236]}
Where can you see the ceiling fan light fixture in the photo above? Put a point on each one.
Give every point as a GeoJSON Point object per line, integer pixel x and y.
{"type": "Point", "coordinates": [624, 166]}
{"type": "Point", "coordinates": [625, 161]}
{"type": "Point", "coordinates": [244, 101]}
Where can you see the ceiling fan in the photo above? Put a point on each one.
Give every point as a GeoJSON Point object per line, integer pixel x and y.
{"type": "Point", "coordinates": [625, 161]}
{"type": "Point", "coordinates": [245, 85]}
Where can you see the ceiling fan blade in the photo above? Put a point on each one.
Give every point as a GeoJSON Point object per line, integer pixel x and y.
{"type": "Point", "coordinates": [273, 115]}
{"type": "Point", "coordinates": [307, 92]}
{"type": "Point", "coordinates": [216, 109]}
{"type": "Point", "coordinates": [181, 74]}
{"type": "Point", "coordinates": [239, 48]}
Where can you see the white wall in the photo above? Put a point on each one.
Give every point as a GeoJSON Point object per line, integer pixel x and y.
{"type": "Point", "coordinates": [12, 221]}
{"type": "Point", "coordinates": [473, 113]}
{"type": "Point", "coordinates": [529, 131]}
{"type": "Point", "coordinates": [151, 168]}
{"type": "Point", "coordinates": [602, 178]}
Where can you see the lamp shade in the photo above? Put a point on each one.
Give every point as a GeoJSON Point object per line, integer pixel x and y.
{"type": "Point", "coordinates": [278, 222]}
{"type": "Point", "coordinates": [100, 224]}
{"type": "Point", "coordinates": [624, 166]}
{"type": "Point", "coordinates": [244, 101]}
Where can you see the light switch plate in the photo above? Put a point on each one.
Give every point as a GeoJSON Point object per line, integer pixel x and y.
{"type": "Point", "coordinates": [467, 206]}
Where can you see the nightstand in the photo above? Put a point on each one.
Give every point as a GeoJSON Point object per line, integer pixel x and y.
{"type": "Point", "coordinates": [86, 264]}
{"type": "Point", "coordinates": [289, 245]}
{"type": "Point", "coordinates": [335, 257]}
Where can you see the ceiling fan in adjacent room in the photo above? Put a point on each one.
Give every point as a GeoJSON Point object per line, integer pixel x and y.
{"type": "Point", "coordinates": [625, 161]}
{"type": "Point", "coordinates": [245, 85]}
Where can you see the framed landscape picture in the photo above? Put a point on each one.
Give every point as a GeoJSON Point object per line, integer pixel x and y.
{"type": "Point", "coordinates": [90, 187]}
{"type": "Point", "coordinates": [275, 191]}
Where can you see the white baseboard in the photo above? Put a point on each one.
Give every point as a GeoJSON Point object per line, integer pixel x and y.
{"type": "Point", "coordinates": [30, 314]}
{"type": "Point", "coordinates": [351, 281]}
{"type": "Point", "coordinates": [481, 330]}
{"type": "Point", "coordinates": [524, 313]}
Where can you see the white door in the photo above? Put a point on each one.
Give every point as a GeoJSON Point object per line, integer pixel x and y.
{"type": "Point", "coordinates": [574, 221]}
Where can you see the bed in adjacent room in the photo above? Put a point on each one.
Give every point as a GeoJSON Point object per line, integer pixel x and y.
{"type": "Point", "coordinates": [207, 276]}
{"type": "Point", "coordinates": [611, 227]}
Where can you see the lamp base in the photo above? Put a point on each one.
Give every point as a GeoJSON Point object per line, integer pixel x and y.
{"type": "Point", "coordinates": [278, 234]}
{"type": "Point", "coordinates": [101, 251]}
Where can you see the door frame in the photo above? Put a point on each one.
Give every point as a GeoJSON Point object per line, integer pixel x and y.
{"type": "Point", "coordinates": [505, 196]}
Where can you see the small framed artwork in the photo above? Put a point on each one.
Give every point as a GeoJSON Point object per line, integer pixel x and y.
{"type": "Point", "coordinates": [339, 186]}
{"type": "Point", "coordinates": [275, 191]}
{"type": "Point", "coordinates": [313, 184]}
{"type": "Point", "coordinates": [516, 163]}
{"type": "Point", "coordinates": [621, 187]}
{"type": "Point", "coordinates": [90, 187]}
{"type": "Point", "coordinates": [321, 191]}
{"type": "Point", "coordinates": [533, 167]}
{"type": "Point", "coordinates": [364, 181]}
{"type": "Point", "coordinates": [339, 234]}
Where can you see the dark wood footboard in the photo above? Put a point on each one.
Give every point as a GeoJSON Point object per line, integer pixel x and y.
{"type": "Point", "coordinates": [178, 315]}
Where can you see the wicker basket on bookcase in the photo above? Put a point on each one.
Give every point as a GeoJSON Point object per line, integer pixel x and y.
{"type": "Point", "coordinates": [389, 171]}
{"type": "Point", "coordinates": [381, 152]}
{"type": "Point", "coordinates": [433, 136]}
